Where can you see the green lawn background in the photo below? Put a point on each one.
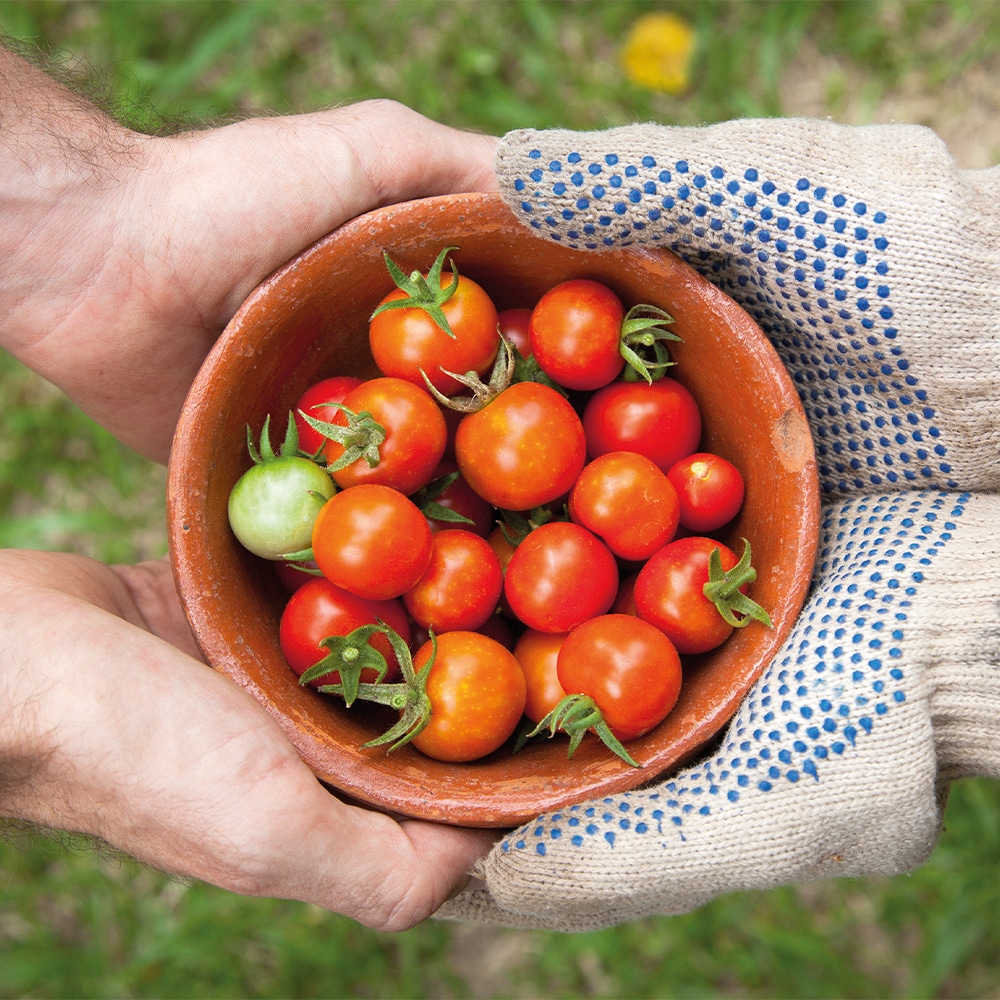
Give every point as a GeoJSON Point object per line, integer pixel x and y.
{"type": "Point", "coordinates": [76, 923]}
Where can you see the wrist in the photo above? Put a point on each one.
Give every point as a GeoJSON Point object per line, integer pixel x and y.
{"type": "Point", "coordinates": [68, 170]}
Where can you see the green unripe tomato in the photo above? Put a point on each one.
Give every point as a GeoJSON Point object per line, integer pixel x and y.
{"type": "Point", "coordinates": [274, 503]}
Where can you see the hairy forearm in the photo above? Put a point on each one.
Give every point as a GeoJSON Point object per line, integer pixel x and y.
{"type": "Point", "coordinates": [62, 164]}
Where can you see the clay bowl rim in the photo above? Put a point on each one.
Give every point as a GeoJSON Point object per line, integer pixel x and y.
{"type": "Point", "coordinates": [495, 792]}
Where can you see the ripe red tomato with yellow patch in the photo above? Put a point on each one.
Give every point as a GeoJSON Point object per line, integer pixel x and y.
{"type": "Point", "coordinates": [628, 501]}
{"type": "Point", "coordinates": [461, 586]}
{"type": "Point", "coordinates": [320, 609]}
{"type": "Point", "coordinates": [710, 491]}
{"type": "Point", "coordinates": [559, 576]}
{"type": "Point", "coordinates": [575, 334]}
{"type": "Point", "coordinates": [372, 541]}
{"type": "Point", "coordinates": [523, 449]}
{"type": "Point", "coordinates": [477, 692]}
{"type": "Point", "coordinates": [415, 435]}
{"type": "Point", "coordinates": [628, 667]}
{"type": "Point", "coordinates": [660, 420]}
{"type": "Point", "coordinates": [406, 342]}
{"type": "Point", "coordinates": [669, 593]}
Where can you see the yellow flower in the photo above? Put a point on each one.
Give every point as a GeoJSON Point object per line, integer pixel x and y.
{"type": "Point", "coordinates": [657, 53]}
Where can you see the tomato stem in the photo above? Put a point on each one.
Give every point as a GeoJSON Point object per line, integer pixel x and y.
{"type": "Point", "coordinates": [427, 497]}
{"type": "Point", "coordinates": [422, 292]}
{"type": "Point", "coordinates": [361, 437]}
{"type": "Point", "coordinates": [348, 655]}
{"type": "Point", "coordinates": [643, 344]}
{"type": "Point", "coordinates": [482, 393]}
{"type": "Point", "coordinates": [576, 715]}
{"type": "Point", "coordinates": [408, 697]}
{"type": "Point", "coordinates": [723, 590]}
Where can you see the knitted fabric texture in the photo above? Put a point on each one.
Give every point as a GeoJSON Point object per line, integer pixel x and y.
{"type": "Point", "coordinates": [872, 264]}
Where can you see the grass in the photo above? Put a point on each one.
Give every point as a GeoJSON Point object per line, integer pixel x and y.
{"type": "Point", "coordinates": [75, 922]}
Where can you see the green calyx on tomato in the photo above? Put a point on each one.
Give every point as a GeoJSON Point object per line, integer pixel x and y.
{"type": "Point", "coordinates": [481, 393]}
{"type": "Point", "coordinates": [723, 590]}
{"type": "Point", "coordinates": [273, 505]}
{"type": "Point", "coordinates": [427, 497]}
{"type": "Point", "coordinates": [527, 369]}
{"type": "Point", "coordinates": [349, 655]}
{"type": "Point", "coordinates": [517, 525]}
{"type": "Point", "coordinates": [423, 292]}
{"type": "Point", "coordinates": [361, 437]}
{"type": "Point", "coordinates": [576, 715]}
{"type": "Point", "coordinates": [643, 343]}
{"type": "Point", "coordinates": [408, 697]}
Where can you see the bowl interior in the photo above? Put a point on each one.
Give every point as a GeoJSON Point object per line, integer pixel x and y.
{"type": "Point", "coordinates": [309, 321]}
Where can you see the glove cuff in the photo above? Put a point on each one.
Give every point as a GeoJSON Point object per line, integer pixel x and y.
{"type": "Point", "coordinates": [959, 642]}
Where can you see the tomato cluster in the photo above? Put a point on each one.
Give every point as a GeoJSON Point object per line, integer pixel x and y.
{"type": "Point", "coordinates": [512, 521]}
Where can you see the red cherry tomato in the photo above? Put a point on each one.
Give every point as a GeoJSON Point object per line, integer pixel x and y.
{"type": "Point", "coordinates": [538, 653]}
{"type": "Point", "coordinates": [461, 586]}
{"type": "Point", "coordinates": [372, 541]}
{"type": "Point", "coordinates": [407, 341]}
{"type": "Point", "coordinates": [659, 420]}
{"type": "Point", "coordinates": [576, 334]}
{"type": "Point", "coordinates": [710, 491]}
{"type": "Point", "coordinates": [314, 403]}
{"type": "Point", "coordinates": [626, 500]}
{"type": "Point", "coordinates": [669, 593]}
{"type": "Point", "coordinates": [625, 600]}
{"type": "Point", "coordinates": [628, 667]}
{"type": "Point", "coordinates": [513, 325]}
{"type": "Point", "coordinates": [459, 498]}
{"type": "Point", "coordinates": [320, 609]}
{"type": "Point", "coordinates": [477, 692]}
{"type": "Point", "coordinates": [522, 450]}
{"type": "Point", "coordinates": [559, 576]}
{"type": "Point", "coordinates": [415, 435]}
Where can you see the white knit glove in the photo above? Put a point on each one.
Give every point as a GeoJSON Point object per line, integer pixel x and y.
{"type": "Point", "coordinates": [873, 265]}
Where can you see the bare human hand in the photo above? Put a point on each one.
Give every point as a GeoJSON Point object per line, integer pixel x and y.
{"type": "Point", "coordinates": [124, 257]}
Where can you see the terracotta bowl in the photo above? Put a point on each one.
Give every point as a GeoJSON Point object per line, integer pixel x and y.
{"type": "Point", "coordinates": [308, 321]}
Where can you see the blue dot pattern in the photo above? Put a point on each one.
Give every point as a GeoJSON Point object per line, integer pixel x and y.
{"type": "Point", "coordinates": [839, 677]}
{"type": "Point", "coordinates": [812, 265]}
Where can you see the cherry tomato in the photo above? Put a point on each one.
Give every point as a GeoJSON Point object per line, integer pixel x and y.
{"type": "Point", "coordinates": [498, 627]}
{"type": "Point", "coordinates": [296, 574]}
{"type": "Point", "coordinates": [523, 449]}
{"type": "Point", "coordinates": [513, 324]}
{"type": "Point", "coordinates": [538, 653]}
{"type": "Point", "coordinates": [559, 576]}
{"type": "Point", "coordinates": [320, 609]}
{"type": "Point", "coordinates": [628, 667]}
{"type": "Point", "coordinates": [659, 420]}
{"type": "Point", "coordinates": [669, 593]}
{"type": "Point", "coordinates": [372, 541]}
{"type": "Point", "coordinates": [459, 498]}
{"type": "Point", "coordinates": [575, 334]}
{"type": "Point", "coordinates": [626, 500]}
{"type": "Point", "coordinates": [313, 402]}
{"type": "Point", "coordinates": [477, 692]}
{"type": "Point", "coordinates": [415, 435]}
{"type": "Point", "coordinates": [625, 600]}
{"type": "Point", "coordinates": [273, 505]}
{"type": "Point", "coordinates": [710, 491]}
{"type": "Point", "coordinates": [407, 341]}
{"type": "Point", "coordinates": [461, 586]}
